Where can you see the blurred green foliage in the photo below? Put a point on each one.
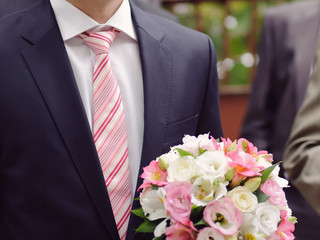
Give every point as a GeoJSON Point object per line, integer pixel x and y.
{"type": "Point", "coordinates": [210, 18]}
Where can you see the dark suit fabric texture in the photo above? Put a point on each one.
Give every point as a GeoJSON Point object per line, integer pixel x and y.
{"type": "Point", "coordinates": [9, 6]}
{"type": "Point", "coordinates": [51, 184]}
{"type": "Point", "coordinates": [286, 51]}
{"type": "Point", "coordinates": [154, 9]}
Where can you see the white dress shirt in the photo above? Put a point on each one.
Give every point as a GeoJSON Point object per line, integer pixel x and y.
{"type": "Point", "coordinates": [125, 62]}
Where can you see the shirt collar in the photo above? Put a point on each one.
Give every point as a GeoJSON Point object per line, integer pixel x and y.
{"type": "Point", "coordinates": [72, 21]}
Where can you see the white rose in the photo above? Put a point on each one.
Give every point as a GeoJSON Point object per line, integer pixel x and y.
{"type": "Point", "coordinates": [195, 140]}
{"type": "Point", "coordinates": [262, 162]}
{"type": "Point", "coordinates": [267, 157]}
{"type": "Point", "coordinates": [191, 143]}
{"type": "Point", "coordinates": [182, 169]}
{"type": "Point", "coordinates": [243, 199]}
{"type": "Point", "coordinates": [165, 159]}
{"type": "Point", "coordinates": [247, 228]}
{"type": "Point", "coordinates": [152, 203]}
{"type": "Point", "coordinates": [209, 233]}
{"type": "Point", "coordinates": [202, 191]}
{"type": "Point", "coordinates": [205, 142]}
{"type": "Point", "coordinates": [286, 208]}
{"type": "Point", "coordinates": [213, 164]}
{"type": "Point", "coordinates": [232, 237]}
{"type": "Point", "coordinates": [220, 190]}
{"type": "Point", "coordinates": [266, 218]}
{"type": "Point", "coordinates": [160, 228]}
{"type": "Point", "coordinates": [274, 175]}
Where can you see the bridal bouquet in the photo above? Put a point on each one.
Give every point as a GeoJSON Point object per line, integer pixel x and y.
{"type": "Point", "coordinates": [210, 189]}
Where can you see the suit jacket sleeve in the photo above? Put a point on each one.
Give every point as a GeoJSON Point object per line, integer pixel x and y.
{"type": "Point", "coordinates": [210, 115]}
{"type": "Point", "coordinates": [258, 120]}
{"type": "Point", "coordinates": [302, 154]}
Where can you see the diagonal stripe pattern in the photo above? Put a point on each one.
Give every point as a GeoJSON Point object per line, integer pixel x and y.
{"type": "Point", "coordinates": [109, 129]}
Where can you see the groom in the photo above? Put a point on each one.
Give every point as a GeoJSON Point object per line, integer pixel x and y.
{"type": "Point", "coordinates": [52, 185]}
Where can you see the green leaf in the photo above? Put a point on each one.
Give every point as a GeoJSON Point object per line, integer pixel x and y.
{"type": "Point", "coordinates": [183, 153]}
{"type": "Point", "coordinates": [244, 145]}
{"type": "Point", "coordinates": [201, 222]}
{"type": "Point", "coordinates": [137, 199]}
{"type": "Point", "coordinates": [147, 227]}
{"type": "Point", "coordinates": [154, 187]}
{"type": "Point", "coordinates": [261, 196]}
{"type": "Point", "coordinates": [201, 151]}
{"type": "Point", "coordinates": [293, 220]}
{"type": "Point", "coordinates": [266, 172]}
{"type": "Point", "coordinates": [138, 212]}
{"type": "Point", "coordinates": [230, 174]}
{"type": "Point", "coordinates": [216, 183]}
{"type": "Point", "coordinates": [196, 211]}
{"type": "Point", "coordinates": [158, 238]}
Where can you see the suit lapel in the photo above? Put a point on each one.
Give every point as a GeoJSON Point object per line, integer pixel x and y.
{"type": "Point", "coordinates": [157, 69]}
{"type": "Point", "coordinates": [48, 63]}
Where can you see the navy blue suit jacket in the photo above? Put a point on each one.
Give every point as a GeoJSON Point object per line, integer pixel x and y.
{"type": "Point", "coordinates": [51, 184]}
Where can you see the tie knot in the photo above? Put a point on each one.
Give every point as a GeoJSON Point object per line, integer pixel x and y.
{"type": "Point", "coordinates": [99, 42]}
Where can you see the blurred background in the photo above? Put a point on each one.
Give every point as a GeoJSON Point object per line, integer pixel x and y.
{"type": "Point", "coordinates": [234, 26]}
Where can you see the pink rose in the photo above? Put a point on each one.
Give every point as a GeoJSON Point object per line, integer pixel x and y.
{"type": "Point", "coordinates": [226, 144]}
{"type": "Point", "coordinates": [178, 201]}
{"type": "Point", "coordinates": [152, 174]}
{"type": "Point", "coordinates": [223, 216]}
{"type": "Point", "coordinates": [250, 148]}
{"type": "Point", "coordinates": [245, 166]}
{"type": "Point", "coordinates": [285, 228]}
{"type": "Point", "coordinates": [179, 232]}
{"type": "Point", "coordinates": [275, 192]}
{"type": "Point", "coordinates": [274, 236]}
{"type": "Point", "coordinates": [221, 146]}
{"type": "Point", "coordinates": [215, 144]}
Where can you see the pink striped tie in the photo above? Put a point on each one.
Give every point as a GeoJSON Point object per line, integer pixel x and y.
{"type": "Point", "coordinates": [109, 129]}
